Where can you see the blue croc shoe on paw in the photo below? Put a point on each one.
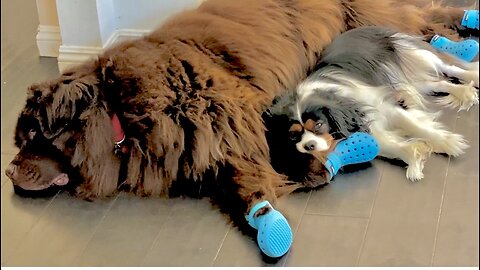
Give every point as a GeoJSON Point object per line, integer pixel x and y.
{"type": "Point", "coordinates": [470, 19]}
{"type": "Point", "coordinates": [357, 148]}
{"type": "Point", "coordinates": [274, 235]}
{"type": "Point", "coordinates": [466, 50]}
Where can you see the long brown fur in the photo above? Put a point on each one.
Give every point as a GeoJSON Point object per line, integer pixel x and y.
{"type": "Point", "coordinates": [190, 94]}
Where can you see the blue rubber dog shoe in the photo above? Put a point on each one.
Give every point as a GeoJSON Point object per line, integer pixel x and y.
{"type": "Point", "coordinates": [274, 235]}
{"type": "Point", "coordinates": [357, 148]}
{"type": "Point", "coordinates": [466, 50]}
{"type": "Point", "coordinates": [470, 19]}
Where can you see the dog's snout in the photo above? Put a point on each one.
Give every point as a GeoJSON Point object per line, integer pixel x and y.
{"type": "Point", "coordinates": [10, 170]}
{"type": "Point", "coordinates": [310, 145]}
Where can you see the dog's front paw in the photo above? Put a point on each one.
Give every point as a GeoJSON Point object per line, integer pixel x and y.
{"type": "Point", "coordinates": [314, 180]}
{"type": "Point", "coordinates": [419, 152]}
{"type": "Point", "coordinates": [414, 173]}
{"type": "Point", "coordinates": [462, 97]}
{"type": "Point", "coordinates": [453, 145]}
{"type": "Point", "coordinates": [84, 192]}
{"type": "Point", "coordinates": [469, 97]}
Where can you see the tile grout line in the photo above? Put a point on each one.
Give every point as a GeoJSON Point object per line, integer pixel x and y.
{"type": "Point", "coordinates": [33, 225]}
{"type": "Point", "coordinates": [95, 230]}
{"type": "Point", "coordinates": [335, 216]}
{"type": "Point", "coordinates": [437, 227]}
{"type": "Point", "coordinates": [364, 238]}
{"type": "Point", "coordinates": [169, 216]}
{"type": "Point", "coordinates": [221, 245]}
{"type": "Point", "coordinates": [298, 227]}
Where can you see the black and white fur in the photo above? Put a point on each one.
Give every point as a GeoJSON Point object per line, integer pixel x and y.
{"type": "Point", "coordinates": [378, 81]}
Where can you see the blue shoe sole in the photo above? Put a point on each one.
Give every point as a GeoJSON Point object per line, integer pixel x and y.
{"type": "Point", "coordinates": [466, 50]}
{"type": "Point", "coordinates": [470, 19]}
{"type": "Point", "coordinates": [274, 236]}
{"type": "Point", "coordinates": [357, 148]}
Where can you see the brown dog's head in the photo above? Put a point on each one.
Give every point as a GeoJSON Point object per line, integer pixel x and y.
{"type": "Point", "coordinates": [57, 130]}
{"type": "Point", "coordinates": [37, 166]}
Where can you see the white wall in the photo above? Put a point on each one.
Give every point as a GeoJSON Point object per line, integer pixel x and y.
{"type": "Point", "coordinates": [48, 35]}
{"type": "Point", "coordinates": [79, 24]}
{"type": "Point", "coordinates": [89, 26]}
{"type": "Point", "coordinates": [147, 14]}
{"type": "Point", "coordinates": [106, 19]}
{"type": "Point", "coordinates": [47, 12]}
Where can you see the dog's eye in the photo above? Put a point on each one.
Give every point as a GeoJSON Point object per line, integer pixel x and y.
{"type": "Point", "coordinates": [31, 134]}
{"type": "Point", "coordinates": [321, 127]}
{"type": "Point", "coordinates": [71, 143]}
{"type": "Point", "coordinates": [295, 136]}
{"type": "Point", "coordinates": [37, 93]}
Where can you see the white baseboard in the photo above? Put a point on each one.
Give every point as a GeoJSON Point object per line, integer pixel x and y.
{"type": "Point", "coordinates": [124, 34]}
{"type": "Point", "coordinates": [48, 40]}
{"type": "Point", "coordinates": [72, 55]}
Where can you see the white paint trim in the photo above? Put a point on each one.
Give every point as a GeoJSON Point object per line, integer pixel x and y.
{"type": "Point", "coordinates": [48, 40]}
{"type": "Point", "coordinates": [122, 34]}
{"type": "Point", "coordinates": [72, 55]}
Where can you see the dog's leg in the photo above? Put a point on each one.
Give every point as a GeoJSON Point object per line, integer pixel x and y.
{"type": "Point", "coordinates": [459, 96]}
{"type": "Point", "coordinates": [258, 186]}
{"type": "Point", "coordinates": [466, 74]}
{"type": "Point", "coordinates": [412, 152]}
{"type": "Point", "coordinates": [245, 184]}
{"type": "Point", "coordinates": [420, 124]}
{"type": "Point", "coordinates": [242, 184]}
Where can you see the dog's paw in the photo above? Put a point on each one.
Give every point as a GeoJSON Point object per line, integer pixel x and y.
{"type": "Point", "coordinates": [451, 144]}
{"type": "Point", "coordinates": [462, 97]}
{"type": "Point", "coordinates": [469, 97]}
{"type": "Point", "coordinates": [419, 152]}
{"type": "Point", "coordinates": [472, 76]}
{"type": "Point", "coordinates": [414, 174]}
{"type": "Point", "coordinates": [313, 180]}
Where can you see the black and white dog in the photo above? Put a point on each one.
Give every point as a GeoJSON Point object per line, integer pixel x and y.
{"type": "Point", "coordinates": [374, 80]}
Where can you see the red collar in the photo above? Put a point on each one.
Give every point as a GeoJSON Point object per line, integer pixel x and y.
{"type": "Point", "coordinates": [117, 127]}
{"type": "Point", "coordinates": [119, 135]}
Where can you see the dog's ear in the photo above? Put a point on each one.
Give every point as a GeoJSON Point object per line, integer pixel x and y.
{"type": "Point", "coordinates": [345, 119]}
{"type": "Point", "coordinates": [106, 66]}
{"type": "Point", "coordinates": [267, 116]}
{"type": "Point", "coordinates": [275, 123]}
{"type": "Point", "coordinates": [59, 103]}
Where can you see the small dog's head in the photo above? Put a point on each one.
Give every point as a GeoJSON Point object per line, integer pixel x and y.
{"type": "Point", "coordinates": [315, 122]}
{"type": "Point", "coordinates": [311, 134]}
{"type": "Point", "coordinates": [301, 133]}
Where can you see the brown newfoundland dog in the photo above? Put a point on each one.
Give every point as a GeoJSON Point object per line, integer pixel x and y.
{"type": "Point", "coordinates": [178, 112]}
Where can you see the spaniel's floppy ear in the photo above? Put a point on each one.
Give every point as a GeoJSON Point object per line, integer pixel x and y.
{"type": "Point", "coordinates": [267, 116]}
{"type": "Point", "coordinates": [275, 121]}
{"type": "Point", "coordinates": [59, 103]}
{"type": "Point", "coordinates": [345, 118]}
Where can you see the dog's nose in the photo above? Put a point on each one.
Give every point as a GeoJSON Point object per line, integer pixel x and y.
{"type": "Point", "coordinates": [10, 170]}
{"type": "Point", "coordinates": [310, 145]}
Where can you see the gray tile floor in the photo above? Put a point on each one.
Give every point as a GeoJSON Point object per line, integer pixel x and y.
{"type": "Point", "coordinates": [368, 218]}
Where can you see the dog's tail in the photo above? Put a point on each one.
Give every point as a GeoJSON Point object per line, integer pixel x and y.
{"type": "Point", "coordinates": [418, 17]}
